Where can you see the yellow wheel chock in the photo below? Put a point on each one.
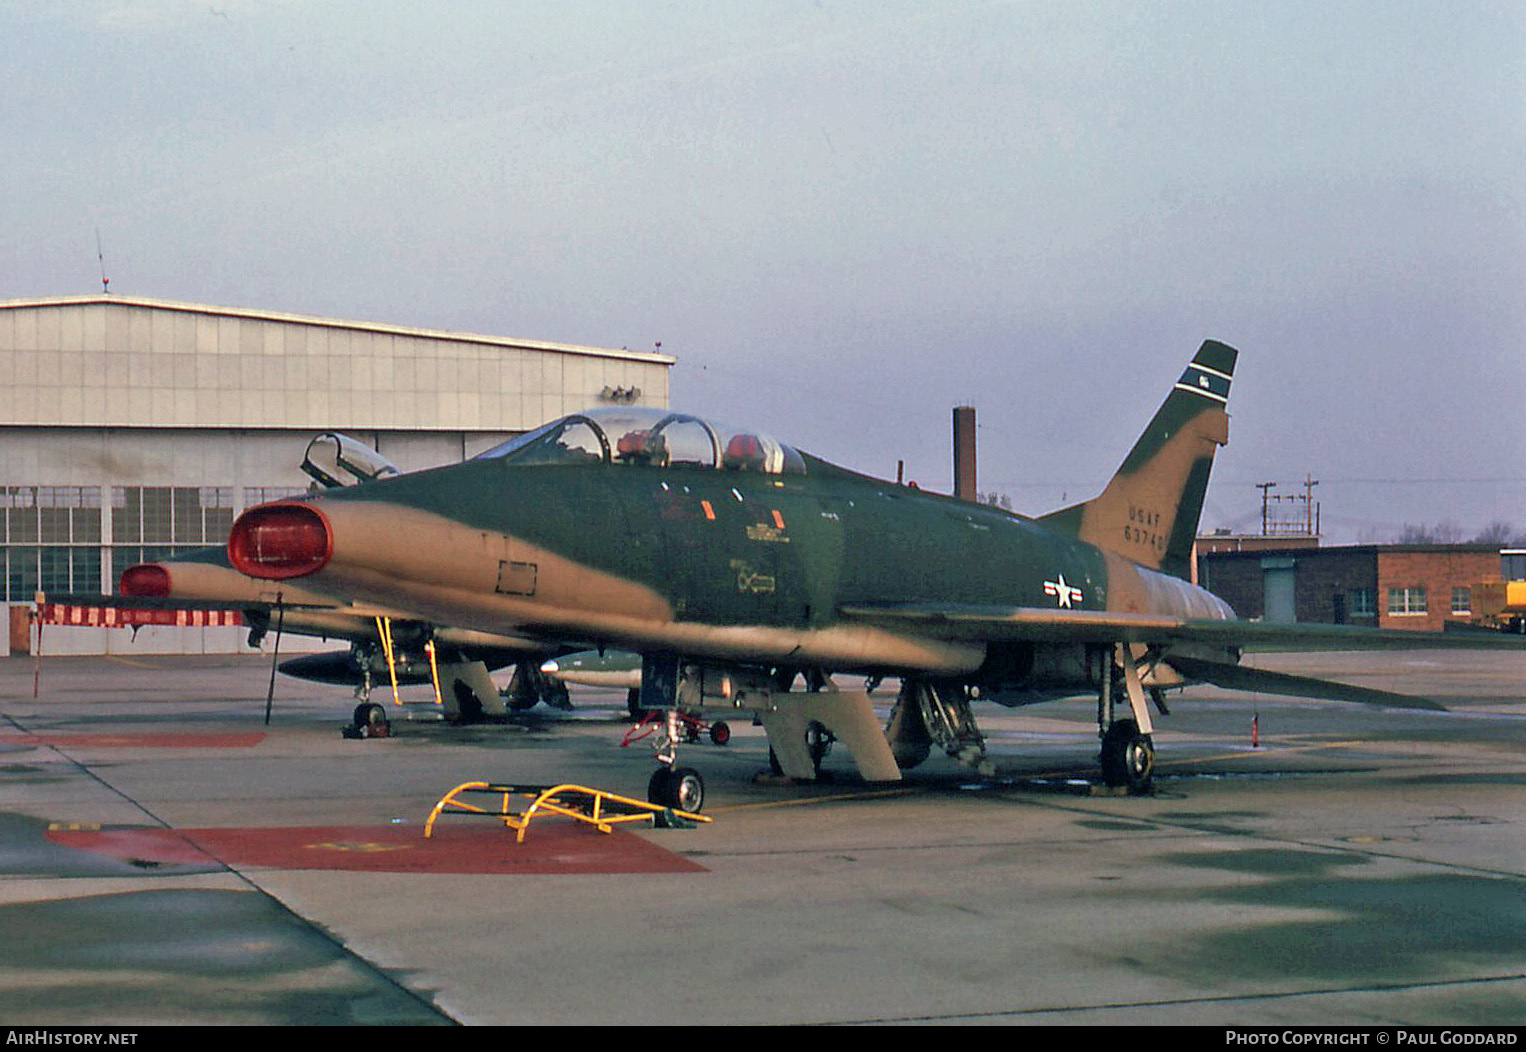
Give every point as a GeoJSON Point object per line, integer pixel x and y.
{"type": "Point", "coordinates": [598, 808]}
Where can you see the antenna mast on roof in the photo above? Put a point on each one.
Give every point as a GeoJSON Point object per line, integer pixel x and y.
{"type": "Point", "coordinates": [100, 255]}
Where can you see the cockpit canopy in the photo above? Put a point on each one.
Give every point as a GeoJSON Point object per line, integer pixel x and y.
{"type": "Point", "coordinates": [648, 437]}
{"type": "Point", "coordinates": [331, 456]}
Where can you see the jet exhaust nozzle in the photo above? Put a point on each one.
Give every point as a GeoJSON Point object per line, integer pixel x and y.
{"type": "Point", "coordinates": [145, 581]}
{"type": "Point", "coordinates": [280, 540]}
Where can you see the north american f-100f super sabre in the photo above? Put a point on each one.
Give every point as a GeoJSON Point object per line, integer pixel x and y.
{"type": "Point", "coordinates": [735, 564]}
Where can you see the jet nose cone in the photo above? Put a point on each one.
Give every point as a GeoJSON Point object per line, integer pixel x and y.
{"type": "Point", "coordinates": [145, 581]}
{"type": "Point", "coordinates": [281, 540]}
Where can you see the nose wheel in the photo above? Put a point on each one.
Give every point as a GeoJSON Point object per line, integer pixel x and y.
{"type": "Point", "coordinates": [680, 788]}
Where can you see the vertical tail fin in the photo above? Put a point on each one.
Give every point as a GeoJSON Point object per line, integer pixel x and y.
{"type": "Point", "coordinates": [1149, 511]}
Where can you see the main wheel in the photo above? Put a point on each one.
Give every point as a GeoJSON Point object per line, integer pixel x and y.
{"type": "Point", "coordinates": [1128, 757]}
{"type": "Point", "coordinates": [720, 732]}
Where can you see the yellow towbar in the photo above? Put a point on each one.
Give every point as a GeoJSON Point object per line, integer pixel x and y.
{"type": "Point", "coordinates": [598, 808]}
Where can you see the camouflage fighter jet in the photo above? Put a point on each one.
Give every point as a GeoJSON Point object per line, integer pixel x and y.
{"type": "Point", "coordinates": [733, 563]}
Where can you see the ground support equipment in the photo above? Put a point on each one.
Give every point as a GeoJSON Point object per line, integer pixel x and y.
{"type": "Point", "coordinates": [598, 808]}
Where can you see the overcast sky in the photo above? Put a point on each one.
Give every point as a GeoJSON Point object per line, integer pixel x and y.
{"type": "Point", "coordinates": [845, 218]}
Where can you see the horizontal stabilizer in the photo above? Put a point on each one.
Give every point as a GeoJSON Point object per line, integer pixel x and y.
{"type": "Point", "coordinates": [1241, 677]}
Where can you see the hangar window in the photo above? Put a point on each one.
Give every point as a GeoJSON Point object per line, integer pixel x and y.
{"type": "Point", "coordinates": [264, 494]}
{"type": "Point", "coordinates": [1405, 601]}
{"type": "Point", "coordinates": [186, 515]}
{"type": "Point", "coordinates": [1462, 600]}
{"type": "Point", "coordinates": [50, 539]}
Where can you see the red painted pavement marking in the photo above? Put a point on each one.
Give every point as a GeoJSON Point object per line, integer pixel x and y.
{"type": "Point", "coordinates": [551, 847]}
{"type": "Point", "coordinates": [144, 740]}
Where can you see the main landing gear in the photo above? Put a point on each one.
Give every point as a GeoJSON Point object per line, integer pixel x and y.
{"type": "Point", "coordinates": [1128, 749]}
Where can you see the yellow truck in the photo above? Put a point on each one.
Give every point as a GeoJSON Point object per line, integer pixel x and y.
{"type": "Point", "coordinates": [1501, 604]}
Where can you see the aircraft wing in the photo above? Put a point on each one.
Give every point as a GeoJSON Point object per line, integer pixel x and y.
{"type": "Point", "coordinates": [993, 624]}
{"type": "Point", "coordinates": [972, 622]}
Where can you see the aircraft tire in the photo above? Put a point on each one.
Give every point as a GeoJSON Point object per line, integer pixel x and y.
{"type": "Point", "coordinates": [369, 714]}
{"type": "Point", "coordinates": [657, 786]}
{"type": "Point", "coordinates": [1128, 757]}
{"type": "Point", "coordinates": [679, 788]}
{"type": "Point", "coordinates": [686, 790]}
{"type": "Point", "coordinates": [720, 732]}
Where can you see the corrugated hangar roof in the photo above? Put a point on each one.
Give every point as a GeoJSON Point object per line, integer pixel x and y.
{"type": "Point", "coordinates": [119, 361]}
{"type": "Point", "coordinates": [333, 323]}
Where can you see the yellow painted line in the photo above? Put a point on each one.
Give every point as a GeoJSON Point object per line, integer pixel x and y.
{"type": "Point", "coordinates": [882, 794]}
{"type": "Point", "coordinates": [764, 805]}
{"type": "Point", "coordinates": [1263, 750]}
{"type": "Point", "coordinates": [1266, 751]}
{"type": "Point", "coordinates": [129, 661]}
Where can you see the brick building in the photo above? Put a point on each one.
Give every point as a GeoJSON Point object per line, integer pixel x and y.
{"type": "Point", "coordinates": [1405, 586]}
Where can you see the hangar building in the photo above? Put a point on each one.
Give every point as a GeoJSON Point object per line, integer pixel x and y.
{"type": "Point", "coordinates": [132, 429]}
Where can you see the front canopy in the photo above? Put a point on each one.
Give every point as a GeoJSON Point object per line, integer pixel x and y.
{"type": "Point", "coordinates": [649, 438]}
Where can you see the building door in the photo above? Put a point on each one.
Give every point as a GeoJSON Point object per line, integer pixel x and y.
{"type": "Point", "coordinates": [1278, 578]}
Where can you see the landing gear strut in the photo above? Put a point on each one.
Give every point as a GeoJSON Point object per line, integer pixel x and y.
{"type": "Point", "coordinates": [934, 712]}
{"type": "Point", "coordinates": [1128, 750]}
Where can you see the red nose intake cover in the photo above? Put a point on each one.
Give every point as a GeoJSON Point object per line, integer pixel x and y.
{"type": "Point", "coordinates": [145, 581]}
{"type": "Point", "coordinates": [280, 540]}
